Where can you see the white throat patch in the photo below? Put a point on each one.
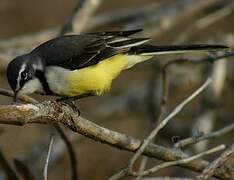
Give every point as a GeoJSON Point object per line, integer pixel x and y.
{"type": "Point", "coordinates": [56, 78]}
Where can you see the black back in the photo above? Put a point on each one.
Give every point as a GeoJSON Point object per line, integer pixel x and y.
{"type": "Point", "coordinates": [79, 51]}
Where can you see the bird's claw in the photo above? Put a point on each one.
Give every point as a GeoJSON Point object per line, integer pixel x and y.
{"type": "Point", "coordinates": [72, 105]}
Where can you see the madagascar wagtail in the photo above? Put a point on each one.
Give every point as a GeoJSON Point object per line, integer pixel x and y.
{"type": "Point", "coordinates": [74, 65]}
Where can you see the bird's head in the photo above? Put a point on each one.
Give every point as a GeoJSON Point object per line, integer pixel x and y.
{"type": "Point", "coordinates": [21, 75]}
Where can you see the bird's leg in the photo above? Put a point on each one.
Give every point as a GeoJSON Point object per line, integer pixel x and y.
{"type": "Point", "coordinates": [16, 101]}
{"type": "Point", "coordinates": [74, 98]}
{"type": "Point", "coordinates": [72, 105]}
{"type": "Point", "coordinates": [71, 101]}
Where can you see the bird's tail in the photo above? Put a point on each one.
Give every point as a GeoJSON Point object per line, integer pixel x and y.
{"type": "Point", "coordinates": [142, 53]}
{"type": "Point", "coordinates": [150, 50]}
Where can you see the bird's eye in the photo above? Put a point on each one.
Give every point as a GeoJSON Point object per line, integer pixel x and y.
{"type": "Point", "coordinates": [24, 75]}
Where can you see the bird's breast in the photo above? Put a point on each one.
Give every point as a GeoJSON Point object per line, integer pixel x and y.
{"type": "Point", "coordinates": [56, 78]}
{"type": "Point", "coordinates": [94, 79]}
{"type": "Point", "coordinates": [97, 78]}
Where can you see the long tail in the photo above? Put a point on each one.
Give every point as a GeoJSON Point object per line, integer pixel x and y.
{"type": "Point", "coordinates": [151, 50]}
{"type": "Point", "coordinates": [141, 53]}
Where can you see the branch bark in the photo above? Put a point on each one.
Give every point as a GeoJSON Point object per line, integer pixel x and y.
{"type": "Point", "coordinates": [219, 162]}
{"type": "Point", "coordinates": [212, 135]}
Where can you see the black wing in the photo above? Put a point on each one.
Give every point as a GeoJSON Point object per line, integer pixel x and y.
{"type": "Point", "coordinates": [79, 51]}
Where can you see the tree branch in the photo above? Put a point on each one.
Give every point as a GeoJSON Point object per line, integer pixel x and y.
{"type": "Point", "coordinates": [125, 172]}
{"type": "Point", "coordinates": [219, 162]}
{"type": "Point", "coordinates": [165, 121]}
{"type": "Point", "coordinates": [50, 112]}
{"type": "Point", "coordinates": [182, 161]}
{"type": "Point", "coordinates": [215, 134]}
{"type": "Point", "coordinates": [45, 170]}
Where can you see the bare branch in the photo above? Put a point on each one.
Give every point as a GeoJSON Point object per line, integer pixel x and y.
{"type": "Point", "coordinates": [21, 44]}
{"type": "Point", "coordinates": [188, 10]}
{"type": "Point", "coordinates": [182, 161]}
{"type": "Point", "coordinates": [125, 172]}
{"type": "Point", "coordinates": [206, 21]}
{"type": "Point", "coordinates": [50, 112]}
{"type": "Point", "coordinates": [142, 166]}
{"type": "Point", "coordinates": [165, 121]}
{"type": "Point", "coordinates": [45, 171]}
{"type": "Point", "coordinates": [220, 161]}
{"type": "Point", "coordinates": [119, 175]}
{"type": "Point", "coordinates": [215, 134]}
{"type": "Point", "coordinates": [156, 111]}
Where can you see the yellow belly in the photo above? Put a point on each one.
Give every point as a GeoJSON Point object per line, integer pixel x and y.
{"type": "Point", "coordinates": [98, 78]}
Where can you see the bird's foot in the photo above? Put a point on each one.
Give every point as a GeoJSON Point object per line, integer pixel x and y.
{"type": "Point", "coordinates": [70, 101]}
{"type": "Point", "coordinates": [72, 105]}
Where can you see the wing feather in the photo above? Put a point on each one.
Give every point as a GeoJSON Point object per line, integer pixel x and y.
{"type": "Point", "coordinates": [79, 51]}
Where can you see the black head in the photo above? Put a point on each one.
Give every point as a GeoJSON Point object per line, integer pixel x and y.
{"type": "Point", "coordinates": [19, 71]}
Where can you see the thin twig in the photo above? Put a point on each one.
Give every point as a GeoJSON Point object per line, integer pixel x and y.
{"type": "Point", "coordinates": [187, 9]}
{"type": "Point", "coordinates": [71, 152]}
{"type": "Point", "coordinates": [217, 71]}
{"type": "Point", "coordinates": [125, 172]}
{"type": "Point", "coordinates": [215, 134]}
{"type": "Point", "coordinates": [166, 66]}
{"type": "Point", "coordinates": [142, 167]}
{"type": "Point", "coordinates": [206, 21]}
{"type": "Point", "coordinates": [119, 175]}
{"type": "Point", "coordinates": [45, 171]}
{"type": "Point", "coordinates": [165, 121]}
{"type": "Point", "coordinates": [182, 161]}
{"type": "Point", "coordinates": [220, 161]}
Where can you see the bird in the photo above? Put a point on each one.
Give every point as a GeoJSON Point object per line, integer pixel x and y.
{"type": "Point", "coordinates": [85, 64]}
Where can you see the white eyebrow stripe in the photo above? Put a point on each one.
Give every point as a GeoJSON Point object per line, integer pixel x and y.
{"type": "Point", "coordinates": [23, 67]}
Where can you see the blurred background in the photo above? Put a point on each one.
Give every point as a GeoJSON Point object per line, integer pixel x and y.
{"type": "Point", "coordinates": [133, 104]}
